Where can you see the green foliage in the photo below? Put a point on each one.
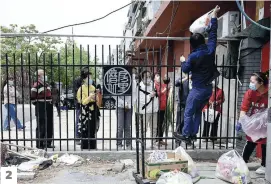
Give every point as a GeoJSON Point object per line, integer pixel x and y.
{"type": "Point", "coordinates": [48, 52]}
{"type": "Point", "coordinates": [61, 61]}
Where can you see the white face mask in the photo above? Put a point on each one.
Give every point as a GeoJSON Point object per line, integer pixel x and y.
{"type": "Point", "coordinates": [10, 82]}
{"type": "Point", "coordinates": [43, 78]}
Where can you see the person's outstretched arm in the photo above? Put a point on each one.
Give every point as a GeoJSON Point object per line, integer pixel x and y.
{"type": "Point", "coordinates": [212, 37]}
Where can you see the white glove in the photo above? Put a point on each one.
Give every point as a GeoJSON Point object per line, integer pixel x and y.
{"type": "Point", "coordinates": [182, 58]}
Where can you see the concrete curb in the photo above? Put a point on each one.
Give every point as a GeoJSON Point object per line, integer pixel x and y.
{"type": "Point", "coordinates": [198, 155]}
{"type": "Point", "coordinates": [131, 154]}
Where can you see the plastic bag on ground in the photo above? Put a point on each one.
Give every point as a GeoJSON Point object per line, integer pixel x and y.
{"type": "Point", "coordinates": [192, 170]}
{"type": "Point", "coordinates": [69, 159]}
{"type": "Point", "coordinates": [33, 165]}
{"type": "Point", "coordinates": [232, 168]}
{"type": "Point", "coordinates": [201, 25]}
{"type": "Point", "coordinates": [174, 177]}
{"type": "Point", "coordinates": [255, 126]}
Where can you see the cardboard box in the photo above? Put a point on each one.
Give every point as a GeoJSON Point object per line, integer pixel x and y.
{"type": "Point", "coordinates": [176, 163]}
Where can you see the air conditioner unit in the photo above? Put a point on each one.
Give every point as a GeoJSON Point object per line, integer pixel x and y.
{"type": "Point", "coordinates": [228, 24]}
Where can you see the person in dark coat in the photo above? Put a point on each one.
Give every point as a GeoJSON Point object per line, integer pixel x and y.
{"type": "Point", "coordinates": [183, 84]}
{"type": "Point", "coordinates": [55, 97]}
{"type": "Point", "coordinates": [201, 62]}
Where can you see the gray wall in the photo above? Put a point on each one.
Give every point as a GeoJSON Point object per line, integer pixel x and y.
{"type": "Point", "coordinates": [248, 65]}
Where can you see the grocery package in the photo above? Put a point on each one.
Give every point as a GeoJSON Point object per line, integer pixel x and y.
{"type": "Point", "coordinates": [182, 155]}
{"type": "Point", "coordinates": [232, 168]}
{"type": "Point", "coordinates": [255, 126]}
{"type": "Point", "coordinates": [174, 177]}
{"type": "Point", "coordinates": [160, 162]}
{"type": "Point", "coordinates": [201, 25]}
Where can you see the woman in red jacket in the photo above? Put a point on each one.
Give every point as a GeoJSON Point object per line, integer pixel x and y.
{"type": "Point", "coordinates": [215, 101]}
{"type": "Point", "coordinates": [255, 99]}
{"type": "Point", "coordinates": [162, 91]}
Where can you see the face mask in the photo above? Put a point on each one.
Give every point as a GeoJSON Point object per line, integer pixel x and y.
{"type": "Point", "coordinates": [148, 80]}
{"type": "Point", "coordinates": [43, 78]}
{"type": "Point", "coordinates": [252, 86]}
{"type": "Point", "coordinates": [10, 82]}
{"type": "Point", "coordinates": [89, 82]}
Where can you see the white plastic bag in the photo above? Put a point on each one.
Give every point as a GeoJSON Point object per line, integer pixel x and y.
{"type": "Point", "coordinates": [69, 159]}
{"type": "Point", "coordinates": [255, 126]}
{"type": "Point", "coordinates": [33, 165]}
{"type": "Point", "coordinates": [210, 114]}
{"type": "Point", "coordinates": [174, 177]}
{"type": "Point", "coordinates": [232, 168]}
{"type": "Point", "coordinates": [192, 170]}
{"type": "Point", "coordinates": [201, 25]}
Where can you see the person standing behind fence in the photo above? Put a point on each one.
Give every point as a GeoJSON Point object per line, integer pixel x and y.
{"type": "Point", "coordinates": [184, 87]}
{"type": "Point", "coordinates": [215, 102]}
{"type": "Point", "coordinates": [162, 92]}
{"type": "Point", "coordinates": [148, 105]}
{"type": "Point", "coordinates": [201, 62]}
{"type": "Point", "coordinates": [77, 83]}
{"type": "Point", "coordinates": [124, 117]}
{"type": "Point", "coordinates": [10, 104]}
{"type": "Point", "coordinates": [55, 97]}
{"type": "Point", "coordinates": [41, 97]}
{"type": "Point", "coordinates": [255, 99]}
{"type": "Point", "coordinates": [90, 114]}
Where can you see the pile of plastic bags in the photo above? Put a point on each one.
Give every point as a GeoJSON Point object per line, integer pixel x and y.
{"type": "Point", "coordinates": [255, 126]}
{"type": "Point", "coordinates": [232, 168]}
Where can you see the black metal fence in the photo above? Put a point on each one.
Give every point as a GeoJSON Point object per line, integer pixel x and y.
{"type": "Point", "coordinates": [121, 112]}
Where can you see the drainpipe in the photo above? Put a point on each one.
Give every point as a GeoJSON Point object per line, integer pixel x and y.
{"type": "Point", "coordinates": [243, 19]}
{"type": "Point", "coordinates": [268, 149]}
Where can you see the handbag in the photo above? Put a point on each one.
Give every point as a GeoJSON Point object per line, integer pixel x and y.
{"type": "Point", "coordinates": [210, 114]}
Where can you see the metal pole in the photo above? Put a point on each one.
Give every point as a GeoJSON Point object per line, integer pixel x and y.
{"type": "Point", "coordinates": [103, 36]}
{"type": "Point", "coordinates": [268, 149]}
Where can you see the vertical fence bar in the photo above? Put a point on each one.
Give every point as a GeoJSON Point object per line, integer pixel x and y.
{"type": "Point", "coordinates": [30, 104]}
{"type": "Point", "coordinates": [74, 105]}
{"type": "Point", "coordinates": [235, 109]}
{"type": "Point", "coordinates": [117, 111]}
{"type": "Point", "coordinates": [67, 110]}
{"type": "Point", "coordinates": [110, 126]}
{"type": "Point", "coordinates": [59, 78]}
{"type": "Point", "coordinates": [8, 111]}
{"type": "Point", "coordinates": [37, 114]}
{"type": "Point", "coordinates": [45, 105]}
{"type": "Point", "coordinates": [228, 110]}
{"type": "Point", "coordinates": [102, 94]}
{"type": "Point", "coordinates": [53, 119]}
{"type": "Point", "coordinates": [174, 100]}
{"type": "Point", "coordinates": [16, 103]}
{"type": "Point", "coordinates": [221, 119]}
{"type": "Point", "coordinates": [96, 109]}
{"type": "Point", "coordinates": [22, 72]}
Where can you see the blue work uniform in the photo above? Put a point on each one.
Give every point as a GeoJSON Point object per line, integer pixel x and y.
{"type": "Point", "coordinates": [201, 62]}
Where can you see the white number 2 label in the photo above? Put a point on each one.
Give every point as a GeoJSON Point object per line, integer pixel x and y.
{"type": "Point", "coordinates": [8, 175]}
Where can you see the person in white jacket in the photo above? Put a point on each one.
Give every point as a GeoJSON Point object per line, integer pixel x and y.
{"type": "Point", "coordinates": [124, 114]}
{"type": "Point", "coordinates": [10, 104]}
{"type": "Point", "coordinates": [148, 107]}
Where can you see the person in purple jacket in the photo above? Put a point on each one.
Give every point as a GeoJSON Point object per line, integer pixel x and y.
{"type": "Point", "coordinates": [201, 62]}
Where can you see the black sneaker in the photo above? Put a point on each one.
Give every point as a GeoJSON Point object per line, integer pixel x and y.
{"type": "Point", "coordinates": [194, 138]}
{"type": "Point", "coordinates": [185, 139]}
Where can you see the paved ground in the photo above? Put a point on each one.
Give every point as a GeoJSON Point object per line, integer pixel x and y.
{"type": "Point", "coordinates": [64, 129]}
{"type": "Point", "coordinates": [101, 173]}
